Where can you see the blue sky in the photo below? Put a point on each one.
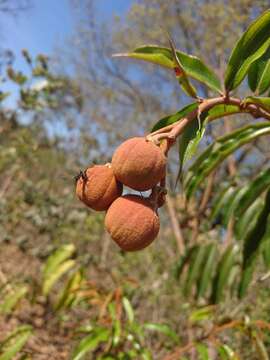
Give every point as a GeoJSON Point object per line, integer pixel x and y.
{"type": "Point", "coordinates": [44, 27]}
{"type": "Point", "coordinates": [48, 23]}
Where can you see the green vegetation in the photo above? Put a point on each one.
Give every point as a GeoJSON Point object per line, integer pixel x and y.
{"type": "Point", "coordinates": [201, 290]}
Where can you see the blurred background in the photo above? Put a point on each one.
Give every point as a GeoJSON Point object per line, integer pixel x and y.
{"type": "Point", "coordinates": [66, 103]}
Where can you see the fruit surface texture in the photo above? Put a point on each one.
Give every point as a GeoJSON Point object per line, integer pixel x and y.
{"type": "Point", "coordinates": [132, 222]}
{"type": "Point", "coordinates": [98, 188]}
{"type": "Point", "coordinates": [139, 164]}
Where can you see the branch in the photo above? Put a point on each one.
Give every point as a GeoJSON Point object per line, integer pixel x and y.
{"type": "Point", "coordinates": [171, 132]}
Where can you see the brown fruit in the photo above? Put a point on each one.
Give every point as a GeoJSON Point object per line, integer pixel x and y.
{"type": "Point", "coordinates": [99, 187]}
{"type": "Point", "coordinates": [132, 222]}
{"type": "Point", "coordinates": [139, 164]}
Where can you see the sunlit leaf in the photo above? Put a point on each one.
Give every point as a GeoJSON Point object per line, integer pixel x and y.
{"type": "Point", "coordinates": [12, 298]}
{"type": "Point", "coordinates": [63, 268]}
{"type": "Point", "coordinates": [90, 342]}
{"type": "Point", "coordinates": [129, 310]}
{"type": "Point", "coordinates": [14, 343]}
{"type": "Point", "coordinates": [192, 65]}
{"type": "Point", "coordinates": [56, 258]}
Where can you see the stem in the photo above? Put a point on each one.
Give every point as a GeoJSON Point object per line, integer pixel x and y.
{"type": "Point", "coordinates": [172, 131]}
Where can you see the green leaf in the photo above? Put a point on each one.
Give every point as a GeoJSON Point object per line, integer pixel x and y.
{"type": "Point", "coordinates": [202, 352]}
{"type": "Point", "coordinates": [201, 314]}
{"type": "Point", "coordinates": [250, 47]}
{"type": "Point", "coordinates": [224, 268]}
{"type": "Point", "coordinates": [207, 270]}
{"type": "Point", "coordinates": [129, 310]}
{"type": "Point", "coordinates": [14, 343]}
{"type": "Point", "coordinates": [226, 353]}
{"type": "Point", "coordinates": [12, 299]}
{"type": "Point", "coordinates": [259, 74]}
{"type": "Point", "coordinates": [196, 261]}
{"type": "Point", "coordinates": [90, 342]}
{"type": "Point", "coordinates": [182, 261]}
{"type": "Point", "coordinates": [191, 65]}
{"type": "Point", "coordinates": [189, 140]}
{"type": "Point", "coordinates": [171, 119]}
{"type": "Point", "coordinates": [69, 293]}
{"type": "Point", "coordinates": [54, 260]}
{"type": "Point", "coordinates": [248, 219]}
{"type": "Point", "coordinates": [221, 110]}
{"type": "Point", "coordinates": [53, 278]}
{"type": "Point", "coordinates": [266, 244]}
{"type": "Point", "coordinates": [253, 244]}
{"type": "Point", "coordinates": [162, 328]}
{"type": "Point", "coordinates": [229, 210]}
{"type": "Point", "coordinates": [218, 151]}
{"type": "Point", "coordinates": [264, 102]}
{"type": "Point", "coordinates": [252, 191]}
{"type": "Point", "coordinates": [221, 200]}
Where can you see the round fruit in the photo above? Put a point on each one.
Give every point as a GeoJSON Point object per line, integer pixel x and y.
{"type": "Point", "coordinates": [132, 222]}
{"type": "Point", "coordinates": [139, 164]}
{"type": "Point", "coordinates": [97, 187]}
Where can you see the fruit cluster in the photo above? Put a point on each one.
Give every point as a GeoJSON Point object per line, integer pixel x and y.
{"type": "Point", "coordinates": [131, 220]}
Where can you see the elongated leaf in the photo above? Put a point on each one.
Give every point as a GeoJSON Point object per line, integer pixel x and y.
{"type": "Point", "coordinates": [189, 141]}
{"type": "Point", "coordinates": [196, 261]}
{"type": "Point", "coordinates": [53, 278]}
{"type": "Point", "coordinates": [60, 255]}
{"type": "Point", "coordinates": [201, 314]}
{"type": "Point", "coordinates": [253, 244]}
{"type": "Point", "coordinates": [252, 191]}
{"type": "Point", "coordinates": [12, 299]}
{"type": "Point", "coordinates": [266, 244]}
{"type": "Point", "coordinates": [222, 198]}
{"type": "Point", "coordinates": [264, 102]}
{"type": "Point", "coordinates": [248, 219]}
{"type": "Point", "coordinates": [226, 353]}
{"type": "Point", "coordinates": [192, 65]}
{"type": "Point", "coordinates": [207, 271]}
{"type": "Point", "coordinates": [202, 351]}
{"type": "Point", "coordinates": [129, 310]}
{"type": "Point", "coordinates": [171, 119]}
{"type": "Point", "coordinates": [162, 328]}
{"type": "Point", "coordinates": [251, 46]}
{"type": "Point", "coordinates": [224, 268]}
{"type": "Point", "coordinates": [13, 344]}
{"type": "Point", "coordinates": [184, 261]}
{"type": "Point", "coordinates": [90, 342]}
{"type": "Point", "coordinates": [217, 152]}
{"type": "Point", "coordinates": [69, 293]}
{"type": "Point", "coordinates": [259, 74]}
{"type": "Point", "coordinates": [230, 208]}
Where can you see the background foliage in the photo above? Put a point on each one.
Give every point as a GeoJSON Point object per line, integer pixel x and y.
{"type": "Point", "coordinates": [66, 289]}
